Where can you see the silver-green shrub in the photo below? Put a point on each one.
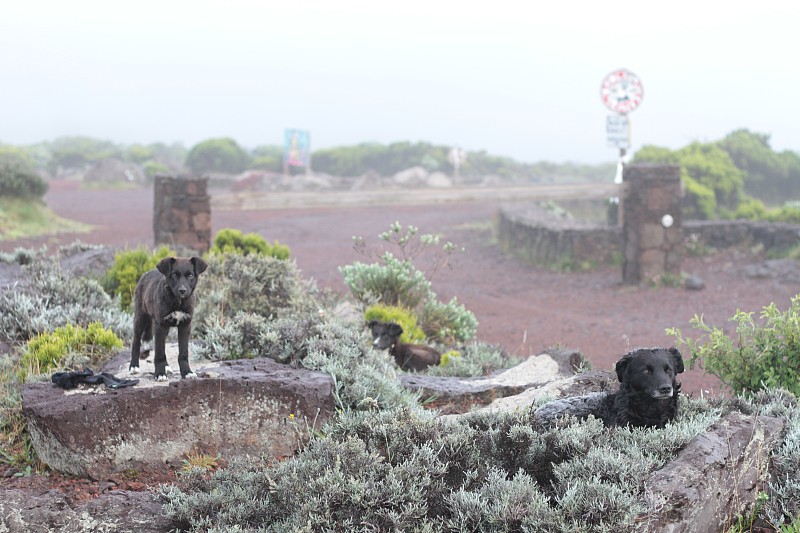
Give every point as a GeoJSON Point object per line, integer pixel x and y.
{"type": "Point", "coordinates": [263, 285]}
{"type": "Point", "coordinates": [390, 282]}
{"type": "Point", "coordinates": [783, 504]}
{"type": "Point", "coordinates": [242, 336]}
{"type": "Point", "coordinates": [47, 299]}
{"type": "Point", "coordinates": [473, 360]}
{"type": "Point", "coordinates": [21, 256]}
{"type": "Point", "coordinates": [392, 279]}
{"type": "Point", "coordinates": [405, 469]}
{"type": "Point", "coordinates": [363, 378]}
{"type": "Point", "coordinates": [448, 323]}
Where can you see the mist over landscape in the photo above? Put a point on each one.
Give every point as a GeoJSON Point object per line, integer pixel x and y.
{"type": "Point", "coordinates": [400, 266]}
{"type": "Point", "coordinates": [516, 81]}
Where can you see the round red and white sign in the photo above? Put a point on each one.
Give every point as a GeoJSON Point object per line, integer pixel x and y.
{"type": "Point", "coordinates": [622, 91]}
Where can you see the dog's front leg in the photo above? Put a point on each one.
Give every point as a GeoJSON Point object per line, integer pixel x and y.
{"type": "Point", "coordinates": [184, 329]}
{"type": "Point", "coordinates": [160, 359]}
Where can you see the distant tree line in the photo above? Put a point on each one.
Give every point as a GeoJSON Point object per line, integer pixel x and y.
{"type": "Point", "coordinates": [387, 160]}
{"type": "Point", "coordinates": [18, 176]}
{"type": "Point", "coordinates": [736, 177]}
{"type": "Point", "coordinates": [72, 155]}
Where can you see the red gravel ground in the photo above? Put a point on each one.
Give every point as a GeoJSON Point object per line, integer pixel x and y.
{"type": "Point", "coordinates": [523, 308]}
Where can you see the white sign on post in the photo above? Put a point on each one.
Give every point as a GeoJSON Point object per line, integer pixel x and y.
{"type": "Point", "coordinates": [618, 131]}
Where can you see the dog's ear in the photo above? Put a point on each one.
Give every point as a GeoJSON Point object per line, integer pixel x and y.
{"type": "Point", "coordinates": [621, 367]}
{"type": "Point", "coordinates": [200, 266]}
{"type": "Point", "coordinates": [371, 324]}
{"type": "Point", "coordinates": [678, 358]}
{"type": "Point", "coordinates": [165, 265]}
{"type": "Point", "coordinates": [395, 330]}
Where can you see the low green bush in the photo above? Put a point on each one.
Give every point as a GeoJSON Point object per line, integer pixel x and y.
{"type": "Point", "coordinates": [754, 209]}
{"type": "Point", "coordinates": [750, 209]}
{"type": "Point", "coordinates": [700, 201]}
{"type": "Point", "coordinates": [73, 347]}
{"type": "Point", "coordinates": [406, 319]}
{"type": "Point", "coordinates": [763, 355]}
{"type": "Point", "coordinates": [129, 265]}
{"type": "Point", "coordinates": [233, 241]}
{"type": "Point", "coordinates": [787, 213]}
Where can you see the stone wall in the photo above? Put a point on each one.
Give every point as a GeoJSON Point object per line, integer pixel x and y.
{"type": "Point", "coordinates": [182, 213]}
{"type": "Point", "coordinates": [652, 221]}
{"type": "Point", "coordinates": [773, 236]}
{"type": "Point", "coordinates": [543, 239]}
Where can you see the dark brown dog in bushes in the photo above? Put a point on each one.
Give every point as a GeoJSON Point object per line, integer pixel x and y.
{"type": "Point", "coordinates": [164, 298]}
{"type": "Point", "coordinates": [647, 395]}
{"type": "Point", "coordinates": [407, 356]}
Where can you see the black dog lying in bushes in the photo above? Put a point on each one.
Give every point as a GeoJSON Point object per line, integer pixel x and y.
{"type": "Point", "coordinates": [647, 396]}
{"type": "Point", "coordinates": [164, 298]}
{"type": "Point", "coordinates": [407, 356]}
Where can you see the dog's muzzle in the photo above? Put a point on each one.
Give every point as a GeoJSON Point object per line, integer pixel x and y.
{"type": "Point", "coordinates": [662, 393]}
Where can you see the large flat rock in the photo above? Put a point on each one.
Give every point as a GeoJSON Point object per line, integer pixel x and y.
{"type": "Point", "coordinates": [715, 478]}
{"type": "Point", "coordinates": [453, 395]}
{"type": "Point", "coordinates": [235, 408]}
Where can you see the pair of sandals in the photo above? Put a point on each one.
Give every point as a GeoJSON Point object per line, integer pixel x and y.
{"type": "Point", "coordinates": [70, 380]}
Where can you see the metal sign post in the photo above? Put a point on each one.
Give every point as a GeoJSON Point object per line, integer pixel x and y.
{"type": "Point", "coordinates": [621, 92]}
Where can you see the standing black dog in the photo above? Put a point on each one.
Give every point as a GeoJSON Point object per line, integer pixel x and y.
{"type": "Point", "coordinates": [164, 298]}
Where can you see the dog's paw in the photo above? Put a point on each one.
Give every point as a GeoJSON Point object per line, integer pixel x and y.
{"type": "Point", "coordinates": [134, 370]}
{"type": "Point", "coordinates": [161, 378]}
{"type": "Point", "coordinates": [190, 375]}
{"type": "Point", "coordinates": [168, 370]}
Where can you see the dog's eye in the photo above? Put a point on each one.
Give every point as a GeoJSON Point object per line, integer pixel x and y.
{"type": "Point", "coordinates": [647, 371]}
{"type": "Point", "coordinates": [667, 369]}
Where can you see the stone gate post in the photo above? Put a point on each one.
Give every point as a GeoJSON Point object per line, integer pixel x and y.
{"type": "Point", "coordinates": [652, 227]}
{"type": "Point", "coordinates": [182, 212]}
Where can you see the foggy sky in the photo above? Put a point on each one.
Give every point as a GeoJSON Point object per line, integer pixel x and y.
{"type": "Point", "coordinates": [515, 78]}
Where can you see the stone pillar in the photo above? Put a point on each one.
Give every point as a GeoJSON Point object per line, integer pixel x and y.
{"type": "Point", "coordinates": [652, 228]}
{"type": "Point", "coordinates": [182, 213]}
